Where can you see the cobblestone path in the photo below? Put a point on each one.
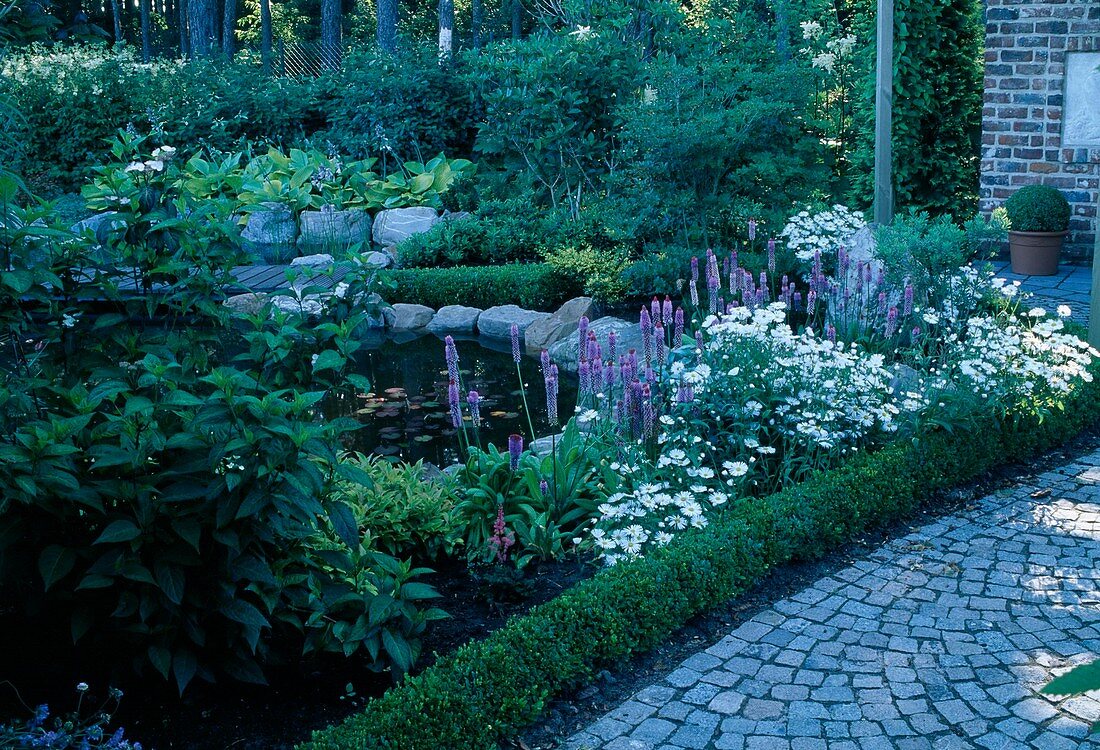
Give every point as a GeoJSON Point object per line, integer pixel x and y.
{"type": "Point", "coordinates": [940, 639]}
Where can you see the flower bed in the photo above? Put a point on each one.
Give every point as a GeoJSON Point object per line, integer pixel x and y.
{"type": "Point", "coordinates": [491, 688]}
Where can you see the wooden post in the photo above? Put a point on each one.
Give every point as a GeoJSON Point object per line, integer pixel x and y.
{"type": "Point", "coordinates": [884, 102]}
{"type": "Point", "coordinates": [1094, 292]}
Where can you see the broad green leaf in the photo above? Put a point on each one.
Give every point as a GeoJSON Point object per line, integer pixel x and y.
{"type": "Point", "coordinates": [118, 531]}
{"type": "Point", "coordinates": [54, 563]}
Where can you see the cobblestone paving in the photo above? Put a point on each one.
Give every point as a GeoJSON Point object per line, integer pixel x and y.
{"type": "Point", "coordinates": [1070, 286]}
{"type": "Point", "coordinates": [940, 639]}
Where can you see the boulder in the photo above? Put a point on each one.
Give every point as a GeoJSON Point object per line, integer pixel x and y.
{"type": "Point", "coordinates": [544, 333]}
{"type": "Point", "coordinates": [411, 317]}
{"type": "Point", "coordinates": [331, 228]}
{"type": "Point", "coordinates": [275, 225]}
{"type": "Point", "coordinates": [317, 260]}
{"type": "Point", "coordinates": [497, 322]}
{"type": "Point", "coordinates": [395, 225]}
{"type": "Point", "coordinates": [455, 318]}
{"type": "Point", "coordinates": [246, 304]}
{"type": "Point", "coordinates": [379, 259]}
{"type": "Point", "coordinates": [99, 224]}
{"type": "Point", "coordinates": [628, 336]}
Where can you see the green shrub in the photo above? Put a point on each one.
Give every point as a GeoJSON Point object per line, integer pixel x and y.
{"type": "Point", "coordinates": [601, 271]}
{"type": "Point", "coordinates": [491, 688]}
{"type": "Point", "coordinates": [1037, 208]}
{"type": "Point", "coordinates": [533, 286]}
{"type": "Point", "coordinates": [402, 512]}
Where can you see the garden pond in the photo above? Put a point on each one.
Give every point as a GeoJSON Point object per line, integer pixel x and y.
{"type": "Point", "coordinates": [405, 414]}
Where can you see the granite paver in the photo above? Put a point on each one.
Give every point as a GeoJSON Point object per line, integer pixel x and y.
{"type": "Point", "coordinates": [1070, 286]}
{"type": "Point", "coordinates": [940, 639]}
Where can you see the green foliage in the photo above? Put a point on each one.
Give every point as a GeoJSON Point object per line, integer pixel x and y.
{"type": "Point", "coordinates": [404, 106]}
{"type": "Point", "coordinates": [1037, 208]}
{"type": "Point", "coordinates": [601, 270]}
{"type": "Point", "coordinates": [1084, 678]}
{"type": "Point", "coordinates": [164, 473]}
{"type": "Point", "coordinates": [533, 286]}
{"type": "Point", "coordinates": [937, 104]}
{"type": "Point", "coordinates": [397, 508]}
{"type": "Point", "coordinates": [927, 251]}
{"type": "Point", "coordinates": [490, 689]}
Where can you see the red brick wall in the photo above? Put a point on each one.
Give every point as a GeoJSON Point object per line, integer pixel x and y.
{"type": "Point", "coordinates": [1026, 43]}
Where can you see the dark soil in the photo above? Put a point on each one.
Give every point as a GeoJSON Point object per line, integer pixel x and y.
{"type": "Point", "coordinates": [575, 711]}
{"type": "Point", "coordinates": [302, 696]}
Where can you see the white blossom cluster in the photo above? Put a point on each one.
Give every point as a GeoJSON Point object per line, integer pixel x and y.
{"type": "Point", "coordinates": [824, 231]}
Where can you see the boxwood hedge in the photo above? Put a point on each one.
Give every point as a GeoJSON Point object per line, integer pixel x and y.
{"type": "Point", "coordinates": [535, 286]}
{"type": "Point", "coordinates": [491, 688]}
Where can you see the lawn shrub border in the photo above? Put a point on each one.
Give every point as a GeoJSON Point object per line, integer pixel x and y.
{"type": "Point", "coordinates": [489, 689]}
{"type": "Point", "coordinates": [535, 286]}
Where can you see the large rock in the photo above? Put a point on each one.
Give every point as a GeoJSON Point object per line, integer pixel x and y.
{"type": "Point", "coordinates": [628, 336]}
{"type": "Point", "coordinates": [455, 318]}
{"type": "Point", "coordinates": [411, 317]}
{"type": "Point", "coordinates": [246, 304]}
{"type": "Point", "coordinates": [330, 228]}
{"type": "Point", "coordinates": [544, 333]}
{"type": "Point", "coordinates": [395, 225]}
{"type": "Point", "coordinates": [99, 225]}
{"type": "Point", "coordinates": [378, 259]}
{"type": "Point", "coordinates": [317, 260]}
{"type": "Point", "coordinates": [497, 322]}
{"type": "Point", "coordinates": [274, 225]}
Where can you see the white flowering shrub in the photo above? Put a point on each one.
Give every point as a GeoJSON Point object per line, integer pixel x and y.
{"type": "Point", "coordinates": [825, 231]}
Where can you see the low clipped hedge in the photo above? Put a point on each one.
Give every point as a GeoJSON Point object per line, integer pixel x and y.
{"type": "Point", "coordinates": [491, 688]}
{"type": "Point", "coordinates": [535, 286]}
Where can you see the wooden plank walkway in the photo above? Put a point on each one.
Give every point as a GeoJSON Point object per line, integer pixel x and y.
{"type": "Point", "coordinates": [265, 278]}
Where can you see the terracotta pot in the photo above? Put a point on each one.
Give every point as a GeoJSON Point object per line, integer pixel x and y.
{"type": "Point", "coordinates": [1035, 253]}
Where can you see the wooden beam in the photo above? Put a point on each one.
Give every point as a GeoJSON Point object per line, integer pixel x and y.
{"type": "Point", "coordinates": [884, 102]}
{"type": "Point", "coordinates": [1094, 292]}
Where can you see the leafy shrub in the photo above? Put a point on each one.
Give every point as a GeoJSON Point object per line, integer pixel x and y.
{"type": "Point", "coordinates": [601, 271]}
{"type": "Point", "coordinates": [406, 106]}
{"type": "Point", "coordinates": [490, 689]}
{"type": "Point", "coordinates": [457, 242]}
{"type": "Point", "coordinates": [534, 286]}
{"type": "Point", "coordinates": [402, 512]}
{"type": "Point", "coordinates": [1037, 208]}
{"type": "Point", "coordinates": [164, 481]}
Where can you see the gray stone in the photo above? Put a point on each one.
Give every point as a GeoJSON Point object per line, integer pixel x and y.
{"type": "Point", "coordinates": [497, 322]}
{"type": "Point", "coordinates": [455, 318]}
{"type": "Point", "coordinates": [274, 225]}
{"type": "Point", "coordinates": [394, 225]}
{"type": "Point", "coordinates": [542, 334]}
{"type": "Point", "coordinates": [411, 317]}
{"type": "Point", "coordinates": [628, 335]}
{"type": "Point", "coordinates": [380, 259]}
{"type": "Point", "coordinates": [317, 260]}
{"type": "Point", "coordinates": [246, 304]}
{"type": "Point", "coordinates": [99, 224]}
{"type": "Point", "coordinates": [328, 228]}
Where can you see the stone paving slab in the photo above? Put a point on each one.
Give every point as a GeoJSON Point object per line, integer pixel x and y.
{"type": "Point", "coordinates": [1070, 286]}
{"type": "Point", "coordinates": [938, 640]}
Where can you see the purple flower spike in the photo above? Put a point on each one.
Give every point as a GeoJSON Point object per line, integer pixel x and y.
{"type": "Point", "coordinates": [544, 360]}
{"type": "Point", "coordinates": [515, 449]}
{"type": "Point", "coordinates": [908, 303]}
{"type": "Point", "coordinates": [771, 256]}
{"type": "Point", "coordinates": [666, 311]}
{"type": "Point", "coordinates": [609, 375]}
{"type": "Point", "coordinates": [882, 301]}
{"type": "Point", "coordinates": [475, 408]}
{"type": "Point", "coordinates": [544, 488]}
{"type": "Point", "coordinates": [830, 333]}
{"type": "Point", "coordinates": [685, 394]}
{"type": "Point", "coordinates": [584, 373]}
{"type": "Point", "coordinates": [655, 310]}
{"type": "Point", "coordinates": [515, 343]}
{"type": "Point", "coordinates": [678, 333]}
{"type": "Point", "coordinates": [752, 230]}
{"type": "Point", "coordinates": [552, 394]}
{"type": "Point", "coordinates": [699, 341]}
{"type": "Point", "coordinates": [451, 354]}
{"type": "Point", "coordinates": [454, 401]}
{"type": "Point", "coordinates": [582, 337]}
{"type": "Point", "coordinates": [892, 321]}
{"type": "Point", "coordinates": [612, 344]}
{"type": "Point", "coordinates": [695, 269]}
{"type": "Point", "coordinates": [915, 333]}
{"type": "Point", "coordinates": [594, 353]}
{"type": "Point", "coordinates": [693, 287]}
{"type": "Point", "coordinates": [648, 416]}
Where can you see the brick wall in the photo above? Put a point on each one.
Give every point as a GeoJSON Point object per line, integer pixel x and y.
{"type": "Point", "coordinates": [1026, 43]}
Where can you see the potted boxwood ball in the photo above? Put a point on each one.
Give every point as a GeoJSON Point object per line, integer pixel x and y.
{"type": "Point", "coordinates": [1038, 217]}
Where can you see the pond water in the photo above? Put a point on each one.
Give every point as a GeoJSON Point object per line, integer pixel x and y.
{"type": "Point", "coordinates": [405, 415]}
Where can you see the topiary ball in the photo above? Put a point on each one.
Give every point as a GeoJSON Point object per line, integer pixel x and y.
{"type": "Point", "coordinates": [1037, 208]}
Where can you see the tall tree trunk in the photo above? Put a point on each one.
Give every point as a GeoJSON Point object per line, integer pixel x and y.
{"type": "Point", "coordinates": [146, 40]}
{"type": "Point", "coordinates": [116, 14]}
{"type": "Point", "coordinates": [517, 19]}
{"type": "Point", "coordinates": [476, 20]}
{"type": "Point", "coordinates": [265, 35]}
{"type": "Point", "coordinates": [330, 34]}
{"type": "Point", "coordinates": [229, 25]}
{"type": "Point", "coordinates": [182, 14]}
{"type": "Point", "coordinates": [203, 27]}
{"type": "Point", "coordinates": [386, 35]}
{"type": "Point", "coordinates": [446, 28]}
